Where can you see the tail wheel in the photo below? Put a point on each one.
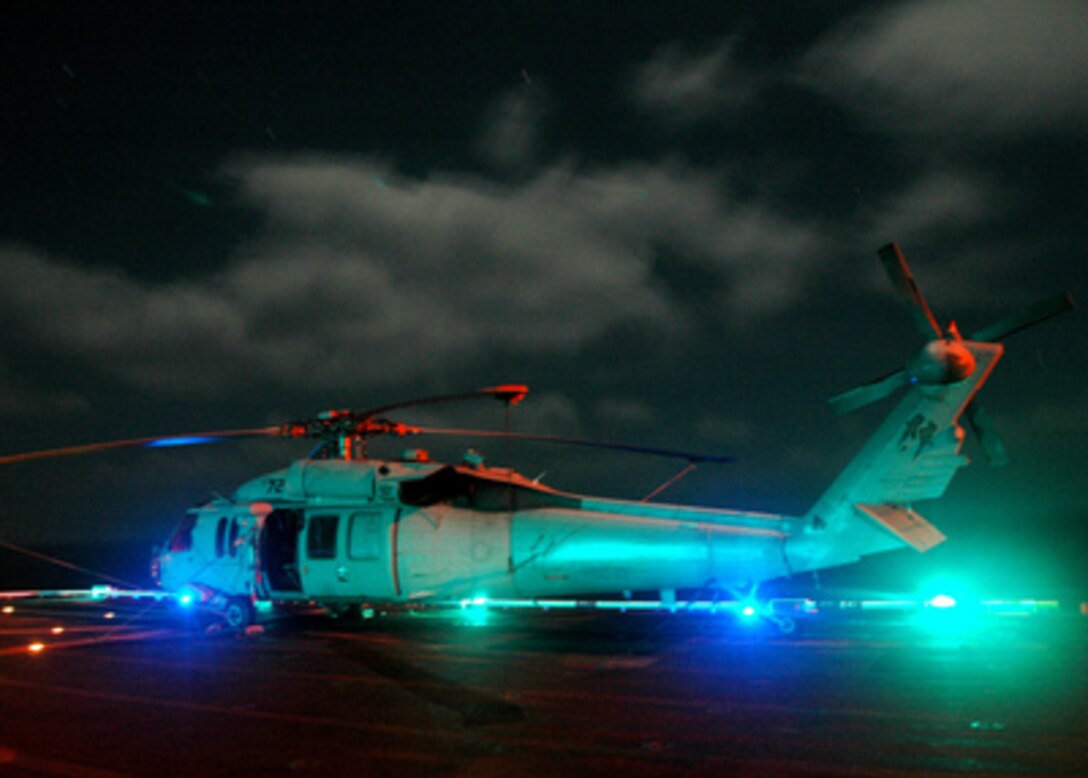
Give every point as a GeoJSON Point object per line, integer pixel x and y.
{"type": "Point", "coordinates": [239, 613]}
{"type": "Point", "coordinates": [785, 624]}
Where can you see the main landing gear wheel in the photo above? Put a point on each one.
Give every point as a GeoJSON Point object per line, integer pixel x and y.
{"type": "Point", "coordinates": [239, 614]}
{"type": "Point", "coordinates": [354, 613]}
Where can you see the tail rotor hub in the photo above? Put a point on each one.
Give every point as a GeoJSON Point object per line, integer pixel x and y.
{"type": "Point", "coordinates": [943, 361]}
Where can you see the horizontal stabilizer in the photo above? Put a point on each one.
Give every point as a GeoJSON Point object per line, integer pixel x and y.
{"type": "Point", "coordinates": [905, 524]}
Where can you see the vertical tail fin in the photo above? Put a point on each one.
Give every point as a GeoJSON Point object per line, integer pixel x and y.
{"type": "Point", "coordinates": [912, 456]}
{"type": "Point", "coordinates": [917, 450]}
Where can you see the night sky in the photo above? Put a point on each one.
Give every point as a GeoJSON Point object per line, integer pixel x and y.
{"type": "Point", "coordinates": [662, 217]}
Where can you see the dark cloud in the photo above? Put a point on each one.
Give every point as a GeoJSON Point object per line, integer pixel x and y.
{"type": "Point", "coordinates": [960, 70]}
{"type": "Point", "coordinates": [935, 205]}
{"type": "Point", "coordinates": [363, 277]}
{"type": "Point", "coordinates": [512, 135]}
{"type": "Point", "coordinates": [681, 86]}
{"type": "Point", "coordinates": [19, 397]}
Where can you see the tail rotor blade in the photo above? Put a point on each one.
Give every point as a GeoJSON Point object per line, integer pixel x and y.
{"type": "Point", "coordinates": [982, 424]}
{"type": "Point", "coordinates": [899, 272]}
{"type": "Point", "coordinates": [869, 393]}
{"type": "Point", "coordinates": [1032, 315]}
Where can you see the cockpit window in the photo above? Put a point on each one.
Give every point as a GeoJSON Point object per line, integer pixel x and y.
{"type": "Point", "coordinates": [182, 539]}
{"type": "Point", "coordinates": [220, 536]}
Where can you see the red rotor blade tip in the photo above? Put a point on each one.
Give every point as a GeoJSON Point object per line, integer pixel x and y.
{"type": "Point", "coordinates": [511, 393]}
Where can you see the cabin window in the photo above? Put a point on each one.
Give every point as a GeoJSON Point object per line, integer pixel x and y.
{"type": "Point", "coordinates": [183, 535]}
{"type": "Point", "coordinates": [321, 537]}
{"type": "Point", "coordinates": [220, 536]}
{"type": "Point", "coordinates": [365, 538]}
{"type": "Point", "coordinates": [464, 490]}
{"type": "Point", "coordinates": [233, 539]}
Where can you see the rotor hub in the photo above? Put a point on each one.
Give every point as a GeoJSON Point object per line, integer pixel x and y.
{"type": "Point", "coordinates": [943, 361]}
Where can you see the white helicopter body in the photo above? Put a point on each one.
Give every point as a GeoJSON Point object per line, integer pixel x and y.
{"type": "Point", "coordinates": [344, 530]}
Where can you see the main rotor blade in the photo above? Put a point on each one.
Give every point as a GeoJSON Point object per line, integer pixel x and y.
{"type": "Point", "coordinates": [510, 393]}
{"type": "Point", "coordinates": [335, 422]}
{"type": "Point", "coordinates": [569, 441]}
{"type": "Point", "coordinates": [1033, 314]}
{"type": "Point", "coordinates": [159, 441]}
{"type": "Point", "coordinates": [875, 390]}
{"type": "Point", "coordinates": [899, 272]}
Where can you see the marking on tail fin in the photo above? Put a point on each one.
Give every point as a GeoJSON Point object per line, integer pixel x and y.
{"type": "Point", "coordinates": [920, 430]}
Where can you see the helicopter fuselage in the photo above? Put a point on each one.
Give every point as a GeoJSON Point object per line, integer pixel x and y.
{"type": "Point", "coordinates": [369, 531]}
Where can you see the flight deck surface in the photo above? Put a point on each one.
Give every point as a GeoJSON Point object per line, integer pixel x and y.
{"type": "Point", "coordinates": [493, 692]}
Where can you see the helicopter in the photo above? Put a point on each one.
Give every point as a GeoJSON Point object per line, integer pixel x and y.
{"type": "Point", "coordinates": [347, 532]}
